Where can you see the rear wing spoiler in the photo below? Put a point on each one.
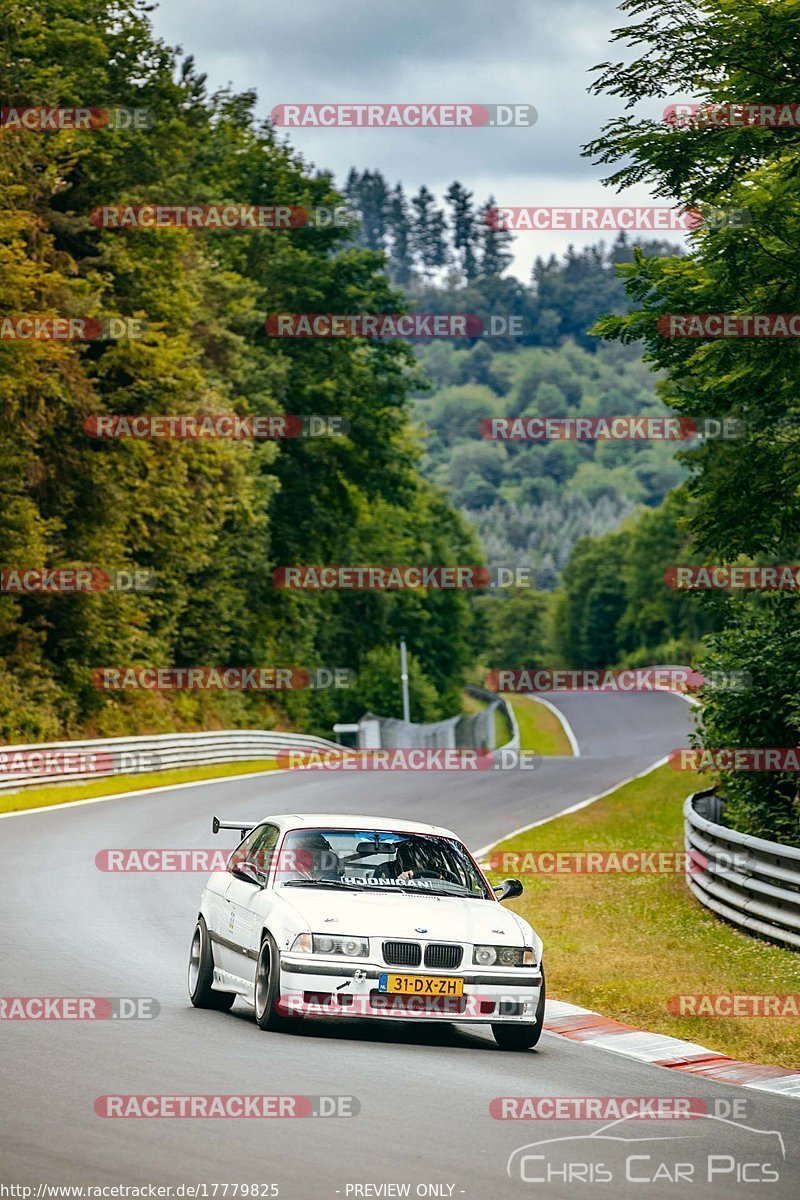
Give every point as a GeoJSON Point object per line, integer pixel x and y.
{"type": "Point", "coordinates": [244, 827]}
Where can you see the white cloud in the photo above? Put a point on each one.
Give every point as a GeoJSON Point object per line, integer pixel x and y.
{"type": "Point", "coordinates": [522, 51]}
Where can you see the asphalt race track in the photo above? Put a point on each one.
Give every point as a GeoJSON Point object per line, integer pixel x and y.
{"type": "Point", "coordinates": [424, 1091]}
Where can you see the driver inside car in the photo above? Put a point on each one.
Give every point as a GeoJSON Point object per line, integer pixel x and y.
{"type": "Point", "coordinates": [413, 861]}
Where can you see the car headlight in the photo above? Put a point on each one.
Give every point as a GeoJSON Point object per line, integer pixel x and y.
{"type": "Point", "coordinates": [503, 956]}
{"type": "Point", "coordinates": [320, 943]}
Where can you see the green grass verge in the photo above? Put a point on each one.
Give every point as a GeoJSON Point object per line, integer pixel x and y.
{"type": "Point", "coordinates": [623, 944]}
{"type": "Point", "coordinates": [539, 728]}
{"type": "Point", "coordinates": [502, 728]}
{"type": "Point", "coordinates": [110, 785]}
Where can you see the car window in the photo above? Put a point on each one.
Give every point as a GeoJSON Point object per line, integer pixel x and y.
{"type": "Point", "coordinates": [379, 859]}
{"type": "Point", "coordinates": [256, 847]}
{"type": "Point", "coordinates": [260, 852]}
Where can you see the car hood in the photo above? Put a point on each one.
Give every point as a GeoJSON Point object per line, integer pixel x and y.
{"type": "Point", "coordinates": [402, 915]}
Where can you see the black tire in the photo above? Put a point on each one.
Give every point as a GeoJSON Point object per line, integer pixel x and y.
{"type": "Point", "coordinates": [522, 1037]}
{"type": "Point", "coordinates": [267, 986]}
{"type": "Point", "coordinates": [201, 973]}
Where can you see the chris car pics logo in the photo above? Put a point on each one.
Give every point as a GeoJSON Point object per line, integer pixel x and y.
{"type": "Point", "coordinates": [726, 1154]}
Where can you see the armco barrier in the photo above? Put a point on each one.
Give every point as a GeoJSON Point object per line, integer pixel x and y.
{"type": "Point", "coordinates": [473, 731]}
{"type": "Point", "coordinates": [161, 752]}
{"type": "Point", "coordinates": [749, 881]}
{"type": "Point", "coordinates": [155, 752]}
{"type": "Point", "coordinates": [494, 701]}
{"type": "Point", "coordinates": [391, 733]}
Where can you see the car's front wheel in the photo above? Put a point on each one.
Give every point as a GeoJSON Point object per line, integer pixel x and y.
{"type": "Point", "coordinates": [267, 988]}
{"type": "Point", "coordinates": [201, 973]}
{"type": "Point", "coordinates": [522, 1037]}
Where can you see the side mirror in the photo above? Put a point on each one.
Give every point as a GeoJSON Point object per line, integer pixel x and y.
{"type": "Point", "coordinates": [247, 872]}
{"type": "Point", "coordinates": [508, 889]}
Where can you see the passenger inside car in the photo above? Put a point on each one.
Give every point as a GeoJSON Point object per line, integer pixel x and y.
{"type": "Point", "coordinates": [310, 855]}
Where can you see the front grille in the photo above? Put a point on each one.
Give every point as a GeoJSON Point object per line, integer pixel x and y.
{"type": "Point", "coordinates": [442, 956]}
{"type": "Point", "coordinates": [402, 954]}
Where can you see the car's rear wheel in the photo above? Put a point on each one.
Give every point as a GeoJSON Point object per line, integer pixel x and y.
{"type": "Point", "coordinates": [201, 973]}
{"type": "Point", "coordinates": [267, 986]}
{"type": "Point", "coordinates": [522, 1037]}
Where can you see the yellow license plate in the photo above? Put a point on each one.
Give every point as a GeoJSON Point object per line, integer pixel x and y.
{"type": "Point", "coordinates": [421, 985]}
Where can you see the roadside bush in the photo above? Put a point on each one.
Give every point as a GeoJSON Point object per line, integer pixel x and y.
{"type": "Point", "coordinates": [761, 636]}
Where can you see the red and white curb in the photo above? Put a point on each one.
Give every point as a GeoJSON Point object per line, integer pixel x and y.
{"type": "Point", "coordinates": [582, 1025]}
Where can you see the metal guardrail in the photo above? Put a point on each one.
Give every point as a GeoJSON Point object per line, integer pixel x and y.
{"type": "Point", "coordinates": [391, 733]}
{"type": "Point", "coordinates": [749, 881]}
{"type": "Point", "coordinates": [494, 701]}
{"type": "Point", "coordinates": [473, 731]}
{"type": "Point", "coordinates": [39, 763]}
{"type": "Point", "coordinates": [44, 762]}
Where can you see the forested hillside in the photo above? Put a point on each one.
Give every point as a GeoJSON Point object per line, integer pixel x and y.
{"type": "Point", "coordinates": [412, 481]}
{"type": "Point", "coordinates": [210, 519]}
{"type": "Point", "coordinates": [529, 503]}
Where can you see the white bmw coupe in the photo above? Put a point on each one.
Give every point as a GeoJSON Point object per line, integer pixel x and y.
{"type": "Point", "coordinates": [353, 917]}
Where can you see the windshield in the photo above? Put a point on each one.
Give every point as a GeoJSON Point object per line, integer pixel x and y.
{"type": "Point", "coordinates": [378, 860]}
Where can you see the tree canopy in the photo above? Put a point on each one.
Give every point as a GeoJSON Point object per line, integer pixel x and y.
{"type": "Point", "coordinates": [210, 518]}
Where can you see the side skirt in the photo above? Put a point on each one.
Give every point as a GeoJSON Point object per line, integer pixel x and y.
{"type": "Point", "coordinates": [224, 981]}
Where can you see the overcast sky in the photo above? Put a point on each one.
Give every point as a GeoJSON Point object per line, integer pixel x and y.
{"type": "Point", "coordinates": [538, 52]}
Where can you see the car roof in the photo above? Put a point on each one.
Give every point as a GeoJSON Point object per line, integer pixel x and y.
{"type": "Point", "coordinates": [355, 821]}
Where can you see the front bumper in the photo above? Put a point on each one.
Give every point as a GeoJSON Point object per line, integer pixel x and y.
{"type": "Point", "coordinates": [316, 987]}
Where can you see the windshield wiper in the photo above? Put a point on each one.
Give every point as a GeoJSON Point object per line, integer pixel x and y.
{"type": "Point", "coordinates": [334, 883]}
{"type": "Point", "coordinates": [408, 889]}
